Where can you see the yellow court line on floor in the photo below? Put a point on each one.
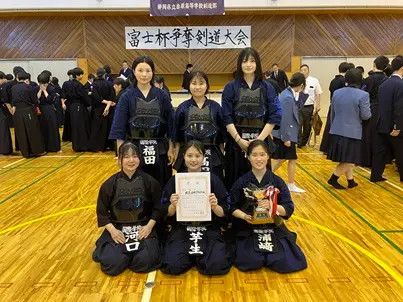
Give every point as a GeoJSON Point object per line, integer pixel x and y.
{"type": "Point", "coordinates": [45, 217]}
{"type": "Point", "coordinates": [367, 253]}
{"type": "Point", "coordinates": [13, 163]}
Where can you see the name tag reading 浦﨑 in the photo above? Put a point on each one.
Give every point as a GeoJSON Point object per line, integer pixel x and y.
{"type": "Point", "coordinates": [265, 241]}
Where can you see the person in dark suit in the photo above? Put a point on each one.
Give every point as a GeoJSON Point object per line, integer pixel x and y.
{"type": "Point", "coordinates": [186, 77]}
{"type": "Point", "coordinates": [287, 136]}
{"type": "Point", "coordinates": [280, 76]}
{"type": "Point", "coordinates": [349, 107]}
{"type": "Point", "coordinates": [389, 122]}
{"type": "Point", "coordinates": [337, 83]}
{"type": "Point", "coordinates": [360, 68]}
{"type": "Point", "coordinates": [125, 71]}
{"type": "Point", "coordinates": [272, 82]}
{"type": "Point", "coordinates": [108, 73]}
{"type": "Point", "coordinates": [159, 82]}
{"type": "Point", "coordinates": [371, 85]}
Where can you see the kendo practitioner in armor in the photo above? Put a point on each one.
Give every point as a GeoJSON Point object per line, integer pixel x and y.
{"type": "Point", "coordinates": [200, 119]}
{"type": "Point", "coordinates": [128, 207]}
{"type": "Point", "coordinates": [199, 244]}
{"type": "Point", "coordinates": [145, 115]}
{"type": "Point", "coordinates": [251, 110]}
{"type": "Point", "coordinates": [260, 202]}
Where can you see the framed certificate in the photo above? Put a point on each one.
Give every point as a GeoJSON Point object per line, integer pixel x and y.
{"type": "Point", "coordinates": [193, 190]}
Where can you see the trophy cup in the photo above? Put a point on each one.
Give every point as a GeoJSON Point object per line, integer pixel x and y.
{"type": "Point", "coordinates": [261, 215]}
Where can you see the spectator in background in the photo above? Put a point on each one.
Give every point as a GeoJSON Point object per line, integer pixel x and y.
{"type": "Point", "coordinates": [360, 68]}
{"type": "Point", "coordinates": [108, 75]}
{"type": "Point", "coordinates": [272, 82]}
{"type": "Point", "coordinates": [280, 76]}
{"type": "Point", "coordinates": [350, 106]}
{"type": "Point", "coordinates": [125, 71]}
{"type": "Point", "coordinates": [311, 105]}
{"type": "Point", "coordinates": [159, 82]}
{"type": "Point", "coordinates": [186, 77]}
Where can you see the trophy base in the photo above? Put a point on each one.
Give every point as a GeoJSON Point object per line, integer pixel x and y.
{"type": "Point", "coordinates": [262, 217]}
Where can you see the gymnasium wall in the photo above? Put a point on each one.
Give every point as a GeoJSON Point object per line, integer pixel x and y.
{"type": "Point", "coordinates": [277, 37]}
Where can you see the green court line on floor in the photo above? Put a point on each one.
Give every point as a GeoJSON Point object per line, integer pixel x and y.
{"type": "Point", "coordinates": [39, 179]}
{"type": "Point", "coordinates": [372, 227]}
{"type": "Point", "coordinates": [391, 231]}
{"type": "Point", "coordinates": [15, 167]}
{"type": "Point", "coordinates": [379, 185]}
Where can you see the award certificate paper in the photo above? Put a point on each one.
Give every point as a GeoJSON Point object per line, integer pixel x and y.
{"type": "Point", "coordinates": [193, 190]}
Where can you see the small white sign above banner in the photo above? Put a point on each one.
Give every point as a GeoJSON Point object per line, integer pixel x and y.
{"type": "Point", "coordinates": [188, 37]}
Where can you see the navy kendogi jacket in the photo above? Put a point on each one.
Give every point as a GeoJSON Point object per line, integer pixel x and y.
{"type": "Point", "coordinates": [126, 107]}
{"type": "Point", "coordinates": [217, 187]}
{"type": "Point", "coordinates": [151, 209]}
{"type": "Point", "coordinates": [230, 96]}
{"type": "Point", "coordinates": [240, 202]}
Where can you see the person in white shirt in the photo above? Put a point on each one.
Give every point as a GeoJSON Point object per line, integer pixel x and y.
{"type": "Point", "coordinates": [311, 106]}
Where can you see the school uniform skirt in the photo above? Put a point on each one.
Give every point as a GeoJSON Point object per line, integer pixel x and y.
{"type": "Point", "coordinates": [284, 152]}
{"type": "Point", "coordinates": [344, 149]}
{"type": "Point", "coordinates": [6, 146]}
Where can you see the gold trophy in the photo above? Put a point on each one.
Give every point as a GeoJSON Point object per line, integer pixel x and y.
{"type": "Point", "coordinates": [262, 215]}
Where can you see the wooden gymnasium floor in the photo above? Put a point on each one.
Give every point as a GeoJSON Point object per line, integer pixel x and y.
{"type": "Point", "coordinates": [353, 240]}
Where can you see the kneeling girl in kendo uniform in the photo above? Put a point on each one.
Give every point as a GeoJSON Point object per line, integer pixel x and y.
{"type": "Point", "coordinates": [199, 244]}
{"type": "Point", "coordinates": [128, 208]}
{"type": "Point", "coordinates": [260, 201]}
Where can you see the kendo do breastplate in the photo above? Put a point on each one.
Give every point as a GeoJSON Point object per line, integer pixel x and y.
{"type": "Point", "coordinates": [147, 119]}
{"type": "Point", "coordinates": [249, 110]}
{"type": "Point", "coordinates": [199, 125]}
{"type": "Point", "coordinates": [129, 199]}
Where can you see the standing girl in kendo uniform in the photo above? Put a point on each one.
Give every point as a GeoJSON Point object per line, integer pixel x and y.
{"type": "Point", "coordinates": [200, 118]}
{"type": "Point", "coordinates": [251, 110]}
{"type": "Point", "coordinates": [144, 115]}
